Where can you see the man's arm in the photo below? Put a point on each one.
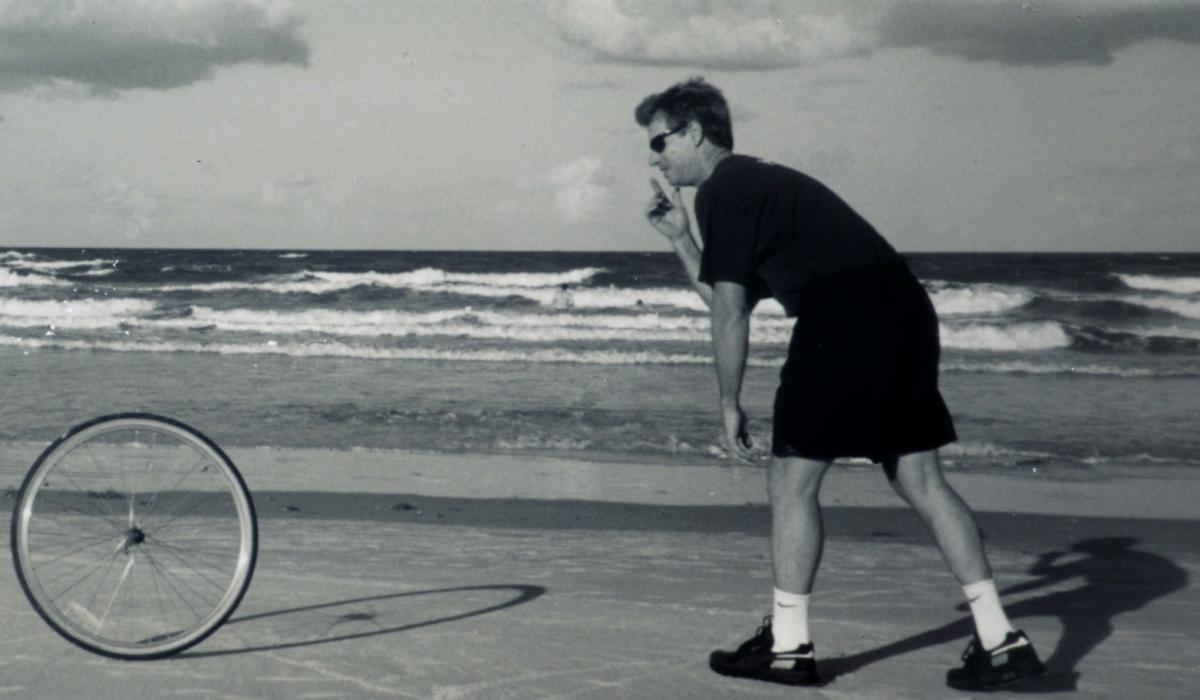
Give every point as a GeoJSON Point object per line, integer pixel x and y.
{"type": "Point", "coordinates": [730, 314]}
{"type": "Point", "coordinates": [668, 216]}
{"type": "Point", "coordinates": [689, 254]}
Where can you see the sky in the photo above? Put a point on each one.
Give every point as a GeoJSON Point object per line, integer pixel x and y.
{"type": "Point", "coordinates": [955, 125]}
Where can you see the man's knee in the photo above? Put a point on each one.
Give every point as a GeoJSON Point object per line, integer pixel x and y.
{"type": "Point", "coordinates": [918, 479]}
{"type": "Point", "coordinates": [795, 478]}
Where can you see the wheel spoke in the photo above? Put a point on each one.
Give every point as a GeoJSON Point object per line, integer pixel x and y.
{"type": "Point", "coordinates": [87, 544]}
{"type": "Point", "coordinates": [116, 592]}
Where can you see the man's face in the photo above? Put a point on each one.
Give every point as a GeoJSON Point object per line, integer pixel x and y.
{"type": "Point", "coordinates": [677, 157]}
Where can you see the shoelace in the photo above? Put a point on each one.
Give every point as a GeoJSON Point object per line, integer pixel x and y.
{"type": "Point", "coordinates": [758, 639]}
{"type": "Point", "coordinates": [766, 625]}
{"type": "Point", "coordinates": [971, 649]}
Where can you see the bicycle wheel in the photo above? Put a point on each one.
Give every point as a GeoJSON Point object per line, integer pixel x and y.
{"type": "Point", "coordinates": [134, 536]}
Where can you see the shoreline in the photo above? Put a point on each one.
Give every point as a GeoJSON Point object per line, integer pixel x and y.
{"type": "Point", "coordinates": [1169, 495]}
{"type": "Point", "coordinates": [865, 524]}
{"type": "Point", "coordinates": [1136, 493]}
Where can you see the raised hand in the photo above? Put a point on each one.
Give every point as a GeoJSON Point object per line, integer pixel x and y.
{"type": "Point", "coordinates": [666, 213]}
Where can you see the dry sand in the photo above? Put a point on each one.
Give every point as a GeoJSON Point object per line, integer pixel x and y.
{"type": "Point", "coordinates": [385, 574]}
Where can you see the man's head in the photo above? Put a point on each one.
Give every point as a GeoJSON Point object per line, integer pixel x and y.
{"type": "Point", "coordinates": [688, 123]}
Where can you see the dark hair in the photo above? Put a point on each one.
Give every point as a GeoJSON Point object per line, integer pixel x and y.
{"type": "Point", "coordinates": [691, 100]}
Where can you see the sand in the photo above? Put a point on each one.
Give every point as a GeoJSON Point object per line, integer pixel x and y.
{"type": "Point", "coordinates": [387, 574]}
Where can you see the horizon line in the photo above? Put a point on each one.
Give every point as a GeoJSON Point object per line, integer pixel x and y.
{"type": "Point", "coordinates": [508, 251]}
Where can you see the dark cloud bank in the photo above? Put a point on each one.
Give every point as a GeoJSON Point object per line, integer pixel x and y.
{"type": "Point", "coordinates": [109, 47]}
{"type": "Point", "coordinates": [1034, 33]}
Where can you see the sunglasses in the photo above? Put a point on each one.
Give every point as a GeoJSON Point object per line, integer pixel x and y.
{"type": "Point", "coordinates": [659, 142]}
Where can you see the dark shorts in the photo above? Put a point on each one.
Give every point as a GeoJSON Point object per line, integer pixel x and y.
{"type": "Point", "coordinates": [861, 375]}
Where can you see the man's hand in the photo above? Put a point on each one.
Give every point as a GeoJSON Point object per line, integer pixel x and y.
{"type": "Point", "coordinates": [666, 213]}
{"type": "Point", "coordinates": [737, 440]}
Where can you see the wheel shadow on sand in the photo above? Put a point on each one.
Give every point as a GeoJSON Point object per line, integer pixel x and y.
{"type": "Point", "coordinates": [360, 618]}
{"type": "Point", "coordinates": [1116, 578]}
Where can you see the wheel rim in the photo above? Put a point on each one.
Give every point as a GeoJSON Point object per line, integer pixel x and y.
{"type": "Point", "coordinates": [135, 537]}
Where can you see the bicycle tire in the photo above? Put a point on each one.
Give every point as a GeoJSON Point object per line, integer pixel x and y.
{"type": "Point", "coordinates": [176, 539]}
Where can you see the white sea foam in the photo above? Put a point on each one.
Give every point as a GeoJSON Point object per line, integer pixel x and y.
{"type": "Point", "coordinates": [16, 260]}
{"type": "Point", "coordinates": [10, 278]}
{"type": "Point", "coordinates": [604, 357]}
{"type": "Point", "coordinates": [1164, 332]}
{"type": "Point", "coordinates": [1023, 367]}
{"type": "Point", "coordinates": [978, 299]}
{"type": "Point", "coordinates": [989, 450]}
{"type": "Point", "coordinates": [537, 287]}
{"type": "Point", "coordinates": [605, 297]}
{"type": "Point", "coordinates": [1181, 307]}
{"type": "Point", "coordinates": [521, 327]}
{"type": "Point", "coordinates": [1139, 458]}
{"type": "Point", "coordinates": [534, 442]}
{"type": "Point", "coordinates": [523, 279]}
{"type": "Point", "coordinates": [77, 313]}
{"type": "Point", "coordinates": [428, 278]}
{"type": "Point", "coordinates": [557, 355]}
{"type": "Point", "coordinates": [587, 297]}
{"type": "Point", "coordinates": [1159, 283]}
{"type": "Point", "coordinates": [1038, 335]}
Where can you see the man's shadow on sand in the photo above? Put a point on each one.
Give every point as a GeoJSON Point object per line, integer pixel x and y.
{"type": "Point", "coordinates": [1116, 579]}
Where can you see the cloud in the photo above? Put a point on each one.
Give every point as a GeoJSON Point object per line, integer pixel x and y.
{"type": "Point", "coordinates": [105, 46]}
{"type": "Point", "coordinates": [589, 84]}
{"type": "Point", "coordinates": [574, 190]}
{"type": "Point", "coordinates": [131, 205]}
{"type": "Point", "coordinates": [285, 191]}
{"type": "Point", "coordinates": [760, 35]}
{"type": "Point", "coordinates": [754, 36]}
{"type": "Point", "coordinates": [577, 188]}
{"type": "Point", "coordinates": [300, 198]}
{"type": "Point", "coordinates": [1036, 33]}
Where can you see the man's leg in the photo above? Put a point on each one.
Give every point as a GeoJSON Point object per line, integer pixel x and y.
{"type": "Point", "coordinates": [1003, 655]}
{"type": "Point", "coordinates": [782, 652]}
{"type": "Point", "coordinates": [920, 482]}
{"type": "Point", "coordinates": [797, 537]}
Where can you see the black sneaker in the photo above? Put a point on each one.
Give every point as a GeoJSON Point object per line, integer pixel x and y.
{"type": "Point", "coordinates": [1013, 660]}
{"type": "Point", "coordinates": [754, 659]}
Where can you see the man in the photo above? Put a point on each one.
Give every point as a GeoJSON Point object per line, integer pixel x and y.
{"type": "Point", "coordinates": [860, 378]}
{"type": "Point", "coordinates": [563, 301]}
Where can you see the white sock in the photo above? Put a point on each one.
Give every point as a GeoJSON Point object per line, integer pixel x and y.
{"type": "Point", "coordinates": [790, 624]}
{"type": "Point", "coordinates": [991, 623]}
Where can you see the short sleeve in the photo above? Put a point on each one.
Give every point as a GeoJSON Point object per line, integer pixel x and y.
{"type": "Point", "coordinates": [730, 240]}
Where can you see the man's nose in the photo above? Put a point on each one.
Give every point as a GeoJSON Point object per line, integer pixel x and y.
{"type": "Point", "coordinates": [654, 158]}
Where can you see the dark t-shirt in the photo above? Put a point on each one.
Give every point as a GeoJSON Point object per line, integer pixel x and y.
{"type": "Point", "coordinates": [779, 232]}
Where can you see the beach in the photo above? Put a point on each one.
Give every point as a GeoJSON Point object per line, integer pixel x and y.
{"type": "Point", "coordinates": [464, 492]}
{"type": "Point", "coordinates": [386, 573]}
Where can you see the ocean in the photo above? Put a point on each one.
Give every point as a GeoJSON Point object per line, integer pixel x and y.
{"type": "Point", "coordinates": [1075, 365]}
